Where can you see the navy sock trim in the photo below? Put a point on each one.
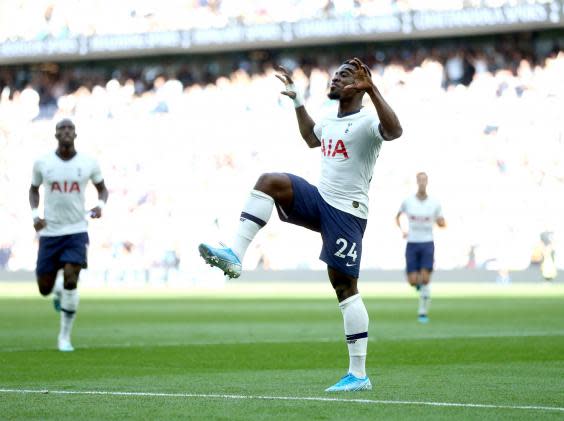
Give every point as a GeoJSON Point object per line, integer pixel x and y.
{"type": "Point", "coordinates": [357, 336]}
{"type": "Point", "coordinates": [253, 218]}
{"type": "Point", "coordinates": [70, 313]}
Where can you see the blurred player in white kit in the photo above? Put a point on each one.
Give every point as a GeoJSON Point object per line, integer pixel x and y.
{"type": "Point", "coordinates": [63, 231]}
{"type": "Point", "coordinates": [422, 212]}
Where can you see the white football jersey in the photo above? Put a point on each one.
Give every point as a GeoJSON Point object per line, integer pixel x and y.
{"type": "Point", "coordinates": [349, 148]}
{"type": "Point", "coordinates": [64, 183]}
{"type": "Point", "coordinates": [422, 215]}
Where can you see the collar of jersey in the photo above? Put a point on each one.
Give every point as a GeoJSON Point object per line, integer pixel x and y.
{"type": "Point", "coordinates": [348, 114]}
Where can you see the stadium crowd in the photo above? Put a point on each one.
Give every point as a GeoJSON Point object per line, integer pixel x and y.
{"type": "Point", "coordinates": [181, 144]}
{"type": "Point", "coordinates": [59, 19]}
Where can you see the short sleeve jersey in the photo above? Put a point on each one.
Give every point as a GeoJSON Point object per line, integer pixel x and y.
{"type": "Point", "coordinates": [349, 148]}
{"type": "Point", "coordinates": [422, 215]}
{"type": "Point", "coordinates": [65, 183]}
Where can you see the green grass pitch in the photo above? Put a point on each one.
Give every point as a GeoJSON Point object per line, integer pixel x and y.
{"type": "Point", "coordinates": [483, 356]}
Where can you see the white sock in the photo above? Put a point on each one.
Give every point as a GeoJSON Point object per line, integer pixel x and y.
{"type": "Point", "coordinates": [69, 305]}
{"type": "Point", "coordinates": [254, 216]}
{"type": "Point", "coordinates": [355, 317]}
{"type": "Point", "coordinates": [424, 299]}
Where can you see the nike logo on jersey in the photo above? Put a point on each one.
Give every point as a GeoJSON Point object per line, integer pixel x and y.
{"type": "Point", "coordinates": [350, 264]}
{"type": "Point", "coordinates": [330, 152]}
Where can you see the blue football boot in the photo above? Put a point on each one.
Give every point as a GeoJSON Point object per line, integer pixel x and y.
{"type": "Point", "coordinates": [223, 258]}
{"type": "Point", "coordinates": [423, 318]}
{"type": "Point", "coordinates": [350, 383]}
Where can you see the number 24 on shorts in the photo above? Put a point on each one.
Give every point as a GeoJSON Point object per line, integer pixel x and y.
{"type": "Point", "coordinates": [343, 244]}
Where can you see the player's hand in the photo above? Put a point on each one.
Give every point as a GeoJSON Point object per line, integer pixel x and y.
{"type": "Point", "coordinates": [39, 224]}
{"type": "Point", "coordinates": [404, 234]}
{"type": "Point", "coordinates": [96, 212]}
{"type": "Point", "coordinates": [286, 79]}
{"type": "Point", "coordinates": [362, 80]}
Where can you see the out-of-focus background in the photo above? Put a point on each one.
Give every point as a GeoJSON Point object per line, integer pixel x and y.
{"type": "Point", "coordinates": [178, 101]}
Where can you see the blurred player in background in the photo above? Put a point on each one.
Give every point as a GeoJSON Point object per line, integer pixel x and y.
{"type": "Point", "coordinates": [63, 236]}
{"type": "Point", "coordinates": [350, 142]}
{"type": "Point", "coordinates": [422, 213]}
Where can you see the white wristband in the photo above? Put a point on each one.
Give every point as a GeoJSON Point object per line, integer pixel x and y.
{"type": "Point", "coordinates": [298, 100]}
{"type": "Point", "coordinates": [101, 204]}
{"type": "Point", "coordinates": [35, 213]}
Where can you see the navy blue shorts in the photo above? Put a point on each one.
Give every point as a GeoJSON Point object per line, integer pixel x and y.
{"type": "Point", "coordinates": [54, 252]}
{"type": "Point", "coordinates": [419, 256]}
{"type": "Point", "coordinates": [340, 231]}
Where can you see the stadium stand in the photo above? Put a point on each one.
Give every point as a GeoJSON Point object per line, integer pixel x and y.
{"type": "Point", "coordinates": [181, 139]}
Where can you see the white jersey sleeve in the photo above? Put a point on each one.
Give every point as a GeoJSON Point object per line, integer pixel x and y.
{"type": "Point", "coordinates": [96, 176]}
{"type": "Point", "coordinates": [374, 129]}
{"type": "Point", "coordinates": [36, 175]}
{"type": "Point", "coordinates": [317, 131]}
{"type": "Point", "coordinates": [403, 207]}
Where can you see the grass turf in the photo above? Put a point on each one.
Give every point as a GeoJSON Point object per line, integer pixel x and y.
{"type": "Point", "coordinates": [494, 350]}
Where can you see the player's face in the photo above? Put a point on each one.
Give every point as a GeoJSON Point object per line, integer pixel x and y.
{"type": "Point", "coordinates": [422, 181]}
{"type": "Point", "coordinates": [343, 76]}
{"type": "Point", "coordinates": [65, 133]}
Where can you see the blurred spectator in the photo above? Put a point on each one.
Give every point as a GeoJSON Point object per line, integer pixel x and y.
{"type": "Point", "coordinates": [44, 19]}
{"type": "Point", "coordinates": [5, 253]}
{"type": "Point", "coordinates": [182, 140]}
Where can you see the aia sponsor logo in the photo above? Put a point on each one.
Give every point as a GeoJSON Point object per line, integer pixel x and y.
{"type": "Point", "coordinates": [65, 187]}
{"type": "Point", "coordinates": [420, 218]}
{"type": "Point", "coordinates": [331, 150]}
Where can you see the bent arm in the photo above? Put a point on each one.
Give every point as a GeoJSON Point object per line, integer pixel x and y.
{"type": "Point", "coordinates": [306, 125]}
{"type": "Point", "coordinates": [38, 222]}
{"type": "Point", "coordinates": [102, 191]}
{"type": "Point", "coordinates": [34, 197]}
{"type": "Point", "coordinates": [96, 212]}
{"type": "Point", "coordinates": [389, 123]}
{"type": "Point", "coordinates": [398, 221]}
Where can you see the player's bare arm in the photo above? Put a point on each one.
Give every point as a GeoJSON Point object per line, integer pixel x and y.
{"type": "Point", "coordinates": [305, 122]}
{"type": "Point", "coordinates": [389, 123]}
{"type": "Point", "coordinates": [398, 223]}
{"type": "Point", "coordinates": [96, 211]}
{"type": "Point", "coordinates": [38, 222]}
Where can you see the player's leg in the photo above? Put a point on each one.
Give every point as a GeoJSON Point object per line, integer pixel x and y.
{"type": "Point", "coordinates": [412, 265]}
{"type": "Point", "coordinates": [427, 262]}
{"type": "Point", "coordinates": [73, 258]}
{"type": "Point", "coordinates": [269, 188]}
{"type": "Point", "coordinates": [48, 266]}
{"type": "Point", "coordinates": [342, 235]}
{"type": "Point", "coordinates": [58, 291]}
{"type": "Point", "coordinates": [355, 319]}
{"type": "Point", "coordinates": [46, 282]}
{"type": "Point", "coordinates": [69, 305]}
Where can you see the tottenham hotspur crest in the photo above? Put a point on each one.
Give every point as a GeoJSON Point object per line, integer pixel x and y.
{"type": "Point", "coordinates": [348, 127]}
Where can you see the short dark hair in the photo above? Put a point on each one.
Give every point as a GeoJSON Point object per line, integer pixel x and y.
{"type": "Point", "coordinates": [353, 63]}
{"type": "Point", "coordinates": [65, 121]}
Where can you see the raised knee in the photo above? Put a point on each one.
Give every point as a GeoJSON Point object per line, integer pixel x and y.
{"type": "Point", "coordinates": [266, 183]}
{"type": "Point", "coordinates": [45, 289]}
